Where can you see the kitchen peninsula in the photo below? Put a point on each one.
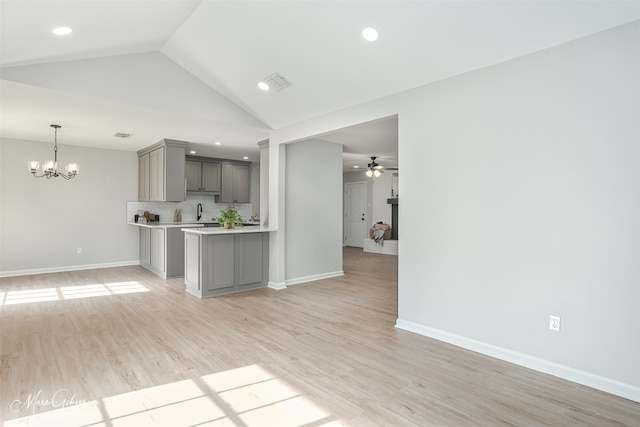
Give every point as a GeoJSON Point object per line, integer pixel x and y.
{"type": "Point", "coordinates": [219, 261]}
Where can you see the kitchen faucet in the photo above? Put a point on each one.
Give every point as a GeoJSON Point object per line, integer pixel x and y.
{"type": "Point", "coordinates": [199, 211]}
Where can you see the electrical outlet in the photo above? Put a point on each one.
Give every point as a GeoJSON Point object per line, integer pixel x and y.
{"type": "Point", "coordinates": [554, 323]}
{"type": "Point", "coordinates": [79, 251]}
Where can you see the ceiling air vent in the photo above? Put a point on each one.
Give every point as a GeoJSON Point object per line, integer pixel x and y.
{"type": "Point", "coordinates": [277, 82]}
{"type": "Point", "coordinates": [122, 135]}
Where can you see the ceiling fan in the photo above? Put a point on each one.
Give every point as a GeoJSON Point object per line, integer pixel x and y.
{"type": "Point", "coordinates": [374, 168]}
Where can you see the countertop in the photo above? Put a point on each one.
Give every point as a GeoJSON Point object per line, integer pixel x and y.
{"type": "Point", "coordinates": [222, 230]}
{"type": "Point", "coordinates": [185, 224]}
{"type": "Point", "coordinates": [166, 224]}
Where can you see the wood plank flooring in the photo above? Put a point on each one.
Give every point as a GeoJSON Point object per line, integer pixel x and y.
{"type": "Point", "coordinates": [88, 348]}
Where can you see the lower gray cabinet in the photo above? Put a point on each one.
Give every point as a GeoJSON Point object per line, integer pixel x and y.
{"type": "Point", "coordinates": [192, 263]}
{"type": "Point", "coordinates": [248, 253]}
{"type": "Point", "coordinates": [157, 249]}
{"type": "Point", "coordinates": [218, 272]}
{"type": "Point", "coordinates": [221, 264]}
{"type": "Point", "coordinates": [162, 251]}
{"type": "Point", "coordinates": [145, 246]}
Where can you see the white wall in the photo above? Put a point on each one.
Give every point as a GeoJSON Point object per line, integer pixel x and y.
{"type": "Point", "coordinates": [529, 185]}
{"type": "Point", "coordinates": [313, 211]}
{"type": "Point", "coordinates": [43, 222]}
{"type": "Point", "coordinates": [526, 181]}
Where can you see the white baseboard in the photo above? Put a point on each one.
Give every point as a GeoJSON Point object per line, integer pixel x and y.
{"type": "Point", "coordinates": [67, 268]}
{"type": "Point", "coordinates": [389, 247]}
{"type": "Point", "coordinates": [315, 277]}
{"type": "Point", "coordinates": [277, 286]}
{"type": "Point", "coordinates": [588, 379]}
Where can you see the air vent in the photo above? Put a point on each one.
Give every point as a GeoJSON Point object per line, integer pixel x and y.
{"type": "Point", "coordinates": [122, 135]}
{"type": "Point", "coordinates": [277, 82]}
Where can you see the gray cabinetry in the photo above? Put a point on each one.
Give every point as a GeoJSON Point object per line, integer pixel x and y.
{"type": "Point", "coordinates": [222, 264]}
{"type": "Point", "coordinates": [218, 272]}
{"type": "Point", "coordinates": [143, 177]}
{"type": "Point", "coordinates": [248, 252]}
{"type": "Point", "coordinates": [210, 177]}
{"type": "Point", "coordinates": [145, 246]}
{"type": "Point", "coordinates": [157, 251]}
{"type": "Point", "coordinates": [156, 174]}
{"type": "Point", "coordinates": [162, 251]}
{"type": "Point", "coordinates": [202, 176]}
{"type": "Point", "coordinates": [161, 172]}
{"type": "Point", "coordinates": [193, 174]}
{"type": "Point", "coordinates": [234, 184]}
{"type": "Point", "coordinates": [192, 263]}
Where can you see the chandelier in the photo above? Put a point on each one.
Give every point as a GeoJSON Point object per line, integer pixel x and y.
{"type": "Point", "coordinates": [50, 167]}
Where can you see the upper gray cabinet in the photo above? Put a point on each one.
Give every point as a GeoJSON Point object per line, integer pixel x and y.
{"type": "Point", "coordinates": [161, 172]}
{"type": "Point", "coordinates": [157, 174]}
{"type": "Point", "coordinates": [143, 177]}
{"type": "Point", "coordinates": [235, 183]}
{"type": "Point", "coordinates": [202, 176]}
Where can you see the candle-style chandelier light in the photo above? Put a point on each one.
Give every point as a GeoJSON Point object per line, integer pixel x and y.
{"type": "Point", "coordinates": [50, 167]}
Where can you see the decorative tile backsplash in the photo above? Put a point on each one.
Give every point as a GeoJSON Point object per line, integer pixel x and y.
{"type": "Point", "coordinates": [210, 209]}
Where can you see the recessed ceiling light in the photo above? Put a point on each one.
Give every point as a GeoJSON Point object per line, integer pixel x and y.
{"type": "Point", "coordinates": [370, 34]}
{"type": "Point", "coordinates": [263, 86]}
{"type": "Point", "coordinates": [246, 158]}
{"type": "Point", "coordinates": [356, 167]}
{"type": "Point", "coordinates": [218, 143]}
{"type": "Point", "coordinates": [192, 152]}
{"type": "Point", "coordinates": [62, 31]}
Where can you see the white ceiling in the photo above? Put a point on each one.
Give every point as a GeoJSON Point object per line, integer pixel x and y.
{"type": "Point", "coordinates": [188, 69]}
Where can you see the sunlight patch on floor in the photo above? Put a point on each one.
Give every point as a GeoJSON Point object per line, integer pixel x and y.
{"type": "Point", "coordinates": [24, 297]}
{"type": "Point", "coordinates": [70, 292]}
{"type": "Point", "coordinates": [244, 397]}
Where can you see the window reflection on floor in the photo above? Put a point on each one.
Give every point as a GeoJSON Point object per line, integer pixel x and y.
{"type": "Point", "coordinates": [70, 292]}
{"type": "Point", "coordinates": [244, 397]}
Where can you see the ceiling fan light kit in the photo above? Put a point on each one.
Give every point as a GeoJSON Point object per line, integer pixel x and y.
{"type": "Point", "coordinates": [374, 169]}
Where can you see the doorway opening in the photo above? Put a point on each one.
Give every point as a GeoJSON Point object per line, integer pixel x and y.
{"type": "Point", "coordinates": [355, 214]}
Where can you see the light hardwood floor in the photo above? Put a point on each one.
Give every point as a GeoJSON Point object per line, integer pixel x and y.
{"type": "Point", "coordinates": [88, 348]}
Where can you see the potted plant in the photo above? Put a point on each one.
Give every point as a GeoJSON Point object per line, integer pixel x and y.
{"type": "Point", "coordinates": [230, 217]}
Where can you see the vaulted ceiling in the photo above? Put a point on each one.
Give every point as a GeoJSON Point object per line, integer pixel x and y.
{"type": "Point", "coordinates": [189, 69]}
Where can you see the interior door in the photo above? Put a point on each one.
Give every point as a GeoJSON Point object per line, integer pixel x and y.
{"type": "Point", "coordinates": [355, 202]}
